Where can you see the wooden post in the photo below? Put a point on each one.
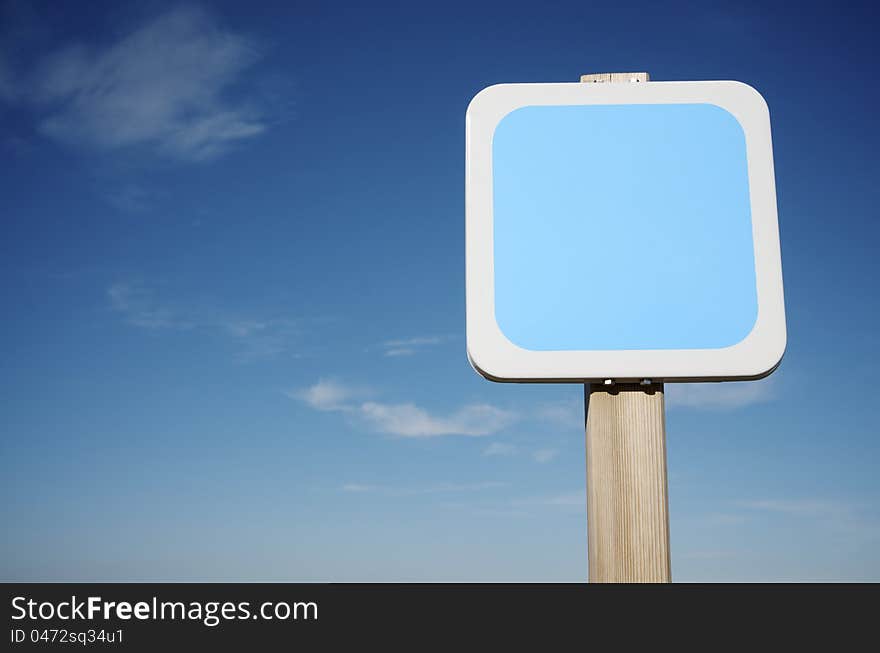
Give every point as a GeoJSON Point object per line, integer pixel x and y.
{"type": "Point", "coordinates": [627, 503]}
{"type": "Point", "coordinates": [627, 506]}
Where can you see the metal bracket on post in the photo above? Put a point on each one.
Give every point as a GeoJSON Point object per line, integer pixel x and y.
{"type": "Point", "coordinates": [627, 504]}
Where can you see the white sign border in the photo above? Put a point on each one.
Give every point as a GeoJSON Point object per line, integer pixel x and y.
{"type": "Point", "coordinates": [495, 357]}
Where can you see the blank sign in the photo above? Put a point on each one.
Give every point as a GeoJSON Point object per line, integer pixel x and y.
{"type": "Point", "coordinates": [622, 227]}
{"type": "Point", "coordinates": [622, 231]}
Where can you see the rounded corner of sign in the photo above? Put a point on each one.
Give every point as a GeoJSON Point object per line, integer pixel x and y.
{"type": "Point", "coordinates": [481, 368]}
{"type": "Point", "coordinates": [775, 356]}
{"type": "Point", "coordinates": [769, 355]}
{"type": "Point", "coordinates": [494, 356]}
{"type": "Point", "coordinates": [764, 370]}
{"type": "Point", "coordinates": [747, 89]}
{"type": "Point", "coordinates": [482, 97]}
{"type": "Point", "coordinates": [747, 95]}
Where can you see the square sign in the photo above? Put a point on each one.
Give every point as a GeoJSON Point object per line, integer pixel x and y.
{"type": "Point", "coordinates": [622, 231]}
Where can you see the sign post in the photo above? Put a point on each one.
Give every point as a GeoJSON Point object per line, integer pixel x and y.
{"type": "Point", "coordinates": [622, 234]}
{"type": "Point", "coordinates": [627, 505]}
{"type": "Point", "coordinates": [627, 495]}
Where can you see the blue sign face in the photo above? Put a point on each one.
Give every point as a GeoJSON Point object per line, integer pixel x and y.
{"type": "Point", "coordinates": [622, 227]}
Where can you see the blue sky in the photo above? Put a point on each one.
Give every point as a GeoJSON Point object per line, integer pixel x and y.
{"type": "Point", "coordinates": [233, 298]}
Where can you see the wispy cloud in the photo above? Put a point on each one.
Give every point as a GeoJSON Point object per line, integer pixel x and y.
{"type": "Point", "coordinates": [804, 507]}
{"type": "Point", "coordinates": [167, 85]}
{"type": "Point", "coordinates": [712, 554]}
{"type": "Point", "coordinates": [828, 515]}
{"type": "Point", "coordinates": [139, 308]}
{"type": "Point", "coordinates": [410, 421]}
{"type": "Point", "coordinates": [720, 396]}
{"type": "Point", "coordinates": [128, 198]}
{"type": "Point", "coordinates": [255, 338]}
{"type": "Point", "coordinates": [726, 519]}
{"type": "Point", "coordinates": [410, 346]}
{"type": "Point", "coordinates": [405, 420]}
{"type": "Point", "coordinates": [443, 488]}
{"type": "Point", "coordinates": [326, 395]}
{"type": "Point", "coordinates": [358, 487]}
{"type": "Point", "coordinates": [540, 456]}
{"type": "Point", "coordinates": [545, 455]}
{"type": "Point", "coordinates": [564, 412]}
{"type": "Point", "coordinates": [501, 449]}
{"type": "Point", "coordinates": [263, 338]}
{"type": "Point", "coordinates": [576, 499]}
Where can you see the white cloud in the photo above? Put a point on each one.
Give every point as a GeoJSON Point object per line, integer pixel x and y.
{"type": "Point", "coordinates": [545, 455]}
{"type": "Point", "coordinates": [500, 449]}
{"type": "Point", "coordinates": [728, 395]}
{"type": "Point", "coordinates": [403, 420]}
{"type": "Point", "coordinates": [410, 421]}
{"type": "Point", "coordinates": [326, 395]}
{"type": "Point", "coordinates": [166, 86]}
{"type": "Point", "coordinates": [410, 346]}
